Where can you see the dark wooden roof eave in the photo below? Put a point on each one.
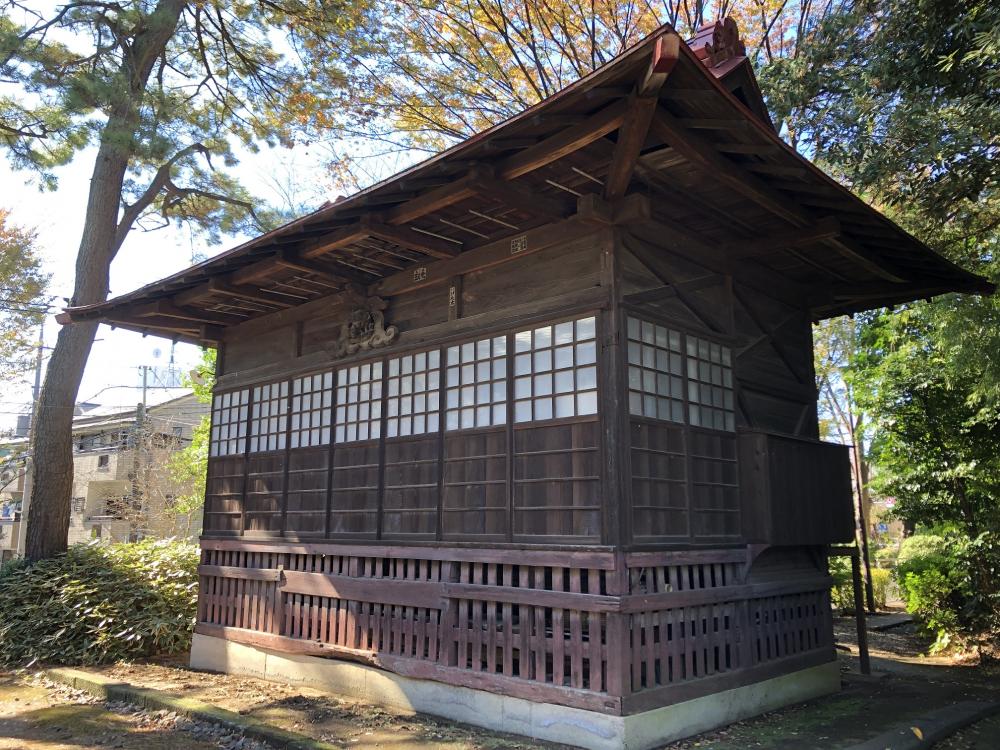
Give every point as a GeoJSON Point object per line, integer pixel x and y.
{"type": "Point", "coordinates": [162, 303]}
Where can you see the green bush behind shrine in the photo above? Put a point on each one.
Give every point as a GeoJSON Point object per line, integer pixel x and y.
{"type": "Point", "coordinates": [99, 603]}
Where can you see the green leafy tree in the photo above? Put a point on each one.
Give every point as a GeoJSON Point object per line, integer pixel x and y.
{"type": "Point", "coordinates": [164, 95]}
{"type": "Point", "coordinates": [22, 289]}
{"type": "Point", "coordinates": [189, 466]}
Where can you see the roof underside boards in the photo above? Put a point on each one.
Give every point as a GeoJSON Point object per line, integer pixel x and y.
{"type": "Point", "coordinates": [714, 173]}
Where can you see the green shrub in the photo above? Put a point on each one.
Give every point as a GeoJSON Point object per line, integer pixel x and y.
{"type": "Point", "coordinates": [99, 603]}
{"type": "Point", "coordinates": [842, 590]}
{"type": "Point", "coordinates": [886, 556]}
{"type": "Point", "coordinates": [934, 582]}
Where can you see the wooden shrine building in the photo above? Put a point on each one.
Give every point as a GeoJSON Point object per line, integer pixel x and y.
{"type": "Point", "coordinates": [526, 435]}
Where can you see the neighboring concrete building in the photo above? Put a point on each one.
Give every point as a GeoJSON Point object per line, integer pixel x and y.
{"type": "Point", "coordinates": [11, 493]}
{"type": "Point", "coordinates": [122, 487]}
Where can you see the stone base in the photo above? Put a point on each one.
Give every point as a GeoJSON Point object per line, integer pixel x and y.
{"type": "Point", "coordinates": [545, 721]}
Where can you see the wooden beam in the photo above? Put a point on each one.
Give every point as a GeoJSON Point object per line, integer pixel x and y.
{"type": "Point", "coordinates": [565, 142]}
{"type": "Point", "coordinates": [165, 308]}
{"type": "Point", "coordinates": [759, 149]}
{"type": "Point", "coordinates": [433, 200]}
{"type": "Point", "coordinates": [742, 181]}
{"type": "Point", "coordinates": [647, 258]}
{"type": "Point", "coordinates": [631, 138]}
{"type": "Point", "coordinates": [666, 51]}
{"type": "Point", "coordinates": [859, 255]}
{"type": "Point", "coordinates": [336, 239]}
{"type": "Point", "coordinates": [696, 148]}
{"type": "Point", "coordinates": [671, 290]}
{"type": "Point", "coordinates": [709, 123]}
{"type": "Point", "coordinates": [412, 239]}
{"type": "Point", "coordinates": [291, 260]}
{"type": "Point", "coordinates": [822, 230]}
{"type": "Point", "coordinates": [515, 197]}
{"type": "Point", "coordinates": [486, 256]}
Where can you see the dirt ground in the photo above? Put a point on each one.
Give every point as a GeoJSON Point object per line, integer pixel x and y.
{"type": "Point", "coordinates": [34, 716]}
{"type": "Point", "coordinates": [904, 686]}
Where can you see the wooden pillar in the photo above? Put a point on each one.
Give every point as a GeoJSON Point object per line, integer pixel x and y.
{"type": "Point", "coordinates": [613, 404]}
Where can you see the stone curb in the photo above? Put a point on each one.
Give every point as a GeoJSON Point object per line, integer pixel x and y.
{"type": "Point", "coordinates": [156, 700]}
{"type": "Point", "coordinates": [933, 727]}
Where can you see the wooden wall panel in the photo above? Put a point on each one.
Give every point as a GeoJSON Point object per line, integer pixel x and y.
{"type": "Point", "coordinates": [307, 491]}
{"type": "Point", "coordinates": [224, 486]}
{"type": "Point", "coordinates": [275, 345]}
{"type": "Point", "coordinates": [265, 487]}
{"type": "Point", "coordinates": [557, 481]}
{"type": "Point", "coordinates": [411, 487]}
{"type": "Point", "coordinates": [355, 489]}
{"type": "Point", "coordinates": [715, 492]}
{"type": "Point", "coordinates": [560, 270]}
{"type": "Point", "coordinates": [660, 506]}
{"type": "Point", "coordinates": [474, 503]}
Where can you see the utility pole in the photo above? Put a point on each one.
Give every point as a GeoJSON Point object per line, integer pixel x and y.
{"type": "Point", "coordinates": [22, 532]}
{"type": "Point", "coordinates": [145, 375]}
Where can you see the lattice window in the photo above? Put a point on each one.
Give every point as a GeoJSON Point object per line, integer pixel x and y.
{"type": "Point", "coordinates": [476, 384]}
{"type": "Point", "coordinates": [413, 394]}
{"type": "Point", "coordinates": [710, 384]}
{"type": "Point", "coordinates": [229, 423]}
{"type": "Point", "coordinates": [359, 403]}
{"type": "Point", "coordinates": [312, 397]}
{"type": "Point", "coordinates": [655, 371]}
{"type": "Point", "coordinates": [555, 369]}
{"type": "Point", "coordinates": [269, 418]}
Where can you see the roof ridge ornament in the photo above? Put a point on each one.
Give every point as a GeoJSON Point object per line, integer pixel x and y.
{"type": "Point", "coordinates": [725, 44]}
{"type": "Point", "coordinates": [363, 328]}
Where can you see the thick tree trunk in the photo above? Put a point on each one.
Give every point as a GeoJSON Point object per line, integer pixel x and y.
{"type": "Point", "coordinates": [52, 441]}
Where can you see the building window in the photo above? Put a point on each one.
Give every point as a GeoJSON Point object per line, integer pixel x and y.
{"type": "Point", "coordinates": [312, 397]}
{"type": "Point", "coordinates": [555, 371]}
{"type": "Point", "coordinates": [359, 403]}
{"type": "Point", "coordinates": [655, 371]}
{"type": "Point", "coordinates": [710, 385]}
{"type": "Point", "coordinates": [229, 423]}
{"type": "Point", "coordinates": [178, 431]}
{"type": "Point", "coordinates": [268, 422]}
{"type": "Point", "coordinates": [476, 384]}
{"type": "Point", "coordinates": [104, 462]}
{"type": "Point", "coordinates": [658, 360]}
{"type": "Point", "coordinates": [79, 504]}
{"type": "Point", "coordinates": [413, 394]}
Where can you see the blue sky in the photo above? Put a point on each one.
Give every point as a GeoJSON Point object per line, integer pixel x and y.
{"type": "Point", "coordinates": [112, 378]}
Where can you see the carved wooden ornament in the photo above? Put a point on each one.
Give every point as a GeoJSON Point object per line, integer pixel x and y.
{"type": "Point", "coordinates": [364, 327]}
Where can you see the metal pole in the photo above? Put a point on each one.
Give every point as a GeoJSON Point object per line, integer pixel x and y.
{"type": "Point", "coordinates": [22, 531]}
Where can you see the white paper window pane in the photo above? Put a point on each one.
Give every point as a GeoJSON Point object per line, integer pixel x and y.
{"type": "Point", "coordinates": [477, 386]}
{"type": "Point", "coordinates": [359, 411]}
{"type": "Point", "coordinates": [417, 382]}
{"type": "Point", "coordinates": [267, 422]}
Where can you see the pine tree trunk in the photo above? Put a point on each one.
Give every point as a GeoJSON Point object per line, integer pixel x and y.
{"type": "Point", "coordinates": [52, 439]}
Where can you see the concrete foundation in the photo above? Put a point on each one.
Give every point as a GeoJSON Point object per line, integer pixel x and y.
{"type": "Point", "coordinates": [545, 721]}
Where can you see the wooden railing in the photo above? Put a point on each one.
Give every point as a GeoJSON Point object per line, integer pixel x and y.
{"type": "Point", "coordinates": [598, 630]}
{"type": "Point", "coordinates": [795, 491]}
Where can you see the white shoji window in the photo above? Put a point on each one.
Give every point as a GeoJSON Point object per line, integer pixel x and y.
{"type": "Point", "coordinates": [555, 371]}
{"type": "Point", "coordinates": [413, 394]}
{"type": "Point", "coordinates": [655, 371]}
{"type": "Point", "coordinates": [269, 417]}
{"type": "Point", "coordinates": [359, 403]}
{"type": "Point", "coordinates": [710, 384]}
{"type": "Point", "coordinates": [229, 423]}
{"type": "Point", "coordinates": [476, 388]}
{"type": "Point", "coordinates": [312, 397]}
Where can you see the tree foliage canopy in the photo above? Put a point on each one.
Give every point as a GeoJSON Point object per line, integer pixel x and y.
{"type": "Point", "coordinates": [181, 88]}
{"type": "Point", "coordinates": [22, 287]}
